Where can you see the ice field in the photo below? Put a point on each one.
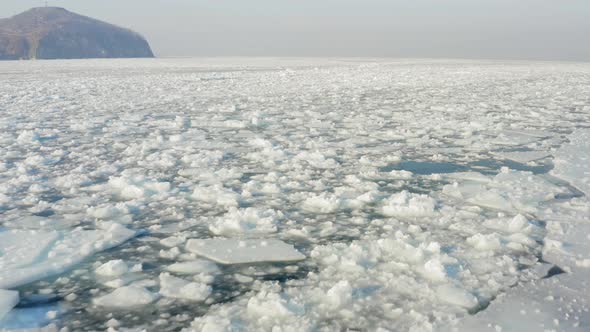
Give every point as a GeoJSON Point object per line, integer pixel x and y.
{"type": "Point", "coordinates": [294, 195]}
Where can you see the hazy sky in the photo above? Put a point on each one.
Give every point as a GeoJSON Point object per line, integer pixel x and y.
{"type": "Point", "coordinates": [500, 29]}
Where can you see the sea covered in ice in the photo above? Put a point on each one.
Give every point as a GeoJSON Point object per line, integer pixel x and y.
{"type": "Point", "coordinates": [294, 195]}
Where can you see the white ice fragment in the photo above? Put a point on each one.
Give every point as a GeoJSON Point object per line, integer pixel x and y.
{"type": "Point", "coordinates": [246, 221]}
{"type": "Point", "coordinates": [457, 296]}
{"type": "Point", "coordinates": [242, 278]}
{"type": "Point", "coordinates": [170, 254]}
{"type": "Point", "coordinates": [583, 262]}
{"type": "Point", "coordinates": [400, 175]}
{"type": "Point", "coordinates": [113, 268]}
{"type": "Point", "coordinates": [26, 256]}
{"type": "Point", "coordinates": [36, 222]}
{"type": "Point", "coordinates": [485, 242]}
{"type": "Point", "coordinates": [434, 270]}
{"type": "Point", "coordinates": [265, 305]}
{"type": "Point", "coordinates": [174, 287]}
{"type": "Point", "coordinates": [121, 280]}
{"type": "Point", "coordinates": [508, 191]}
{"type": "Point", "coordinates": [317, 159]}
{"type": "Point", "coordinates": [113, 323]}
{"type": "Point", "coordinates": [405, 204]}
{"type": "Point", "coordinates": [339, 295]}
{"type": "Point", "coordinates": [514, 138]}
{"type": "Point", "coordinates": [194, 267]}
{"type": "Point", "coordinates": [173, 241]}
{"type": "Point", "coordinates": [239, 251]}
{"type": "Point", "coordinates": [572, 161]}
{"type": "Point", "coordinates": [217, 195]}
{"type": "Point", "coordinates": [321, 204]}
{"type": "Point", "coordinates": [126, 297]}
{"type": "Point", "coordinates": [137, 187]}
{"type": "Point", "coordinates": [518, 224]}
{"type": "Point", "coordinates": [524, 156]}
{"type": "Point", "coordinates": [52, 314]}
{"type": "Point", "coordinates": [28, 137]}
{"type": "Point", "coordinates": [8, 300]}
{"type": "Point", "coordinates": [108, 211]}
{"type": "Point", "coordinates": [469, 176]}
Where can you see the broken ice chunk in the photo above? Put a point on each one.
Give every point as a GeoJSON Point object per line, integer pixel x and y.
{"type": "Point", "coordinates": [172, 241]}
{"type": "Point", "coordinates": [524, 156]}
{"type": "Point", "coordinates": [457, 296]}
{"type": "Point", "coordinates": [194, 267]}
{"type": "Point", "coordinates": [113, 268]}
{"type": "Point", "coordinates": [406, 204]}
{"type": "Point", "coordinates": [36, 222]}
{"type": "Point", "coordinates": [27, 256]}
{"type": "Point", "coordinates": [249, 220]}
{"type": "Point", "coordinates": [237, 251]}
{"type": "Point", "coordinates": [571, 161]}
{"type": "Point", "coordinates": [174, 287]}
{"type": "Point", "coordinates": [128, 296]}
{"type": "Point", "coordinates": [513, 138]}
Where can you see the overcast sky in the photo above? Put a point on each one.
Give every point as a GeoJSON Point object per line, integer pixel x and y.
{"type": "Point", "coordinates": [492, 29]}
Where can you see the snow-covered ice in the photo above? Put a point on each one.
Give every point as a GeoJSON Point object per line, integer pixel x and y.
{"type": "Point", "coordinates": [294, 195]}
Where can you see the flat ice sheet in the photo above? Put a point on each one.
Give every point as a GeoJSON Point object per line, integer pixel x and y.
{"type": "Point", "coordinates": [572, 161]}
{"type": "Point", "coordinates": [237, 251]}
{"type": "Point", "coordinates": [27, 256]}
{"type": "Point", "coordinates": [511, 191]}
{"type": "Point", "coordinates": [524, 156]}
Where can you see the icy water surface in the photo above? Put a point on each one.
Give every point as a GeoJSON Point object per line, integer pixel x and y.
{"type": "Point", "coordinates": [416, 190]}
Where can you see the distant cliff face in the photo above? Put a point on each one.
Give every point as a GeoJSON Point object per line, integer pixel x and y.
{"type": "Point", "coordinates": [55, 33]}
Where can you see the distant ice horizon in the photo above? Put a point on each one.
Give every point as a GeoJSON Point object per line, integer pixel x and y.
{"type": "Point", "coordinates": [208, 58]}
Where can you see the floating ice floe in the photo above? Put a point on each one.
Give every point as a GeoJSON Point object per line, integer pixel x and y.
{"type": "Point", "coordinates": [524, 156]}
{"type": "Point", "coordinates": [173, 241]}
{"type": "Point", "coordinates": [572, 160]}
{"type": "Point", "coordinates": [113, 268]}
{"type": "Point", "coordinates": [513, 191]}
{"type": "Point", "coordinates": [241, 251]}
{"type": "Point", "coordinates": [518, 137]}
{"type": "Point", "coordinates": [321, 204]}
{"type": "Point", "coordinates": [174, 287]}
{"type": "Point", "coordinates": [409, 205]}
{"type": "Point", "coordinates": [126, 297]}
{"type": "Point", "coordinates": [138, 187]}
{"type": "Point", "coordinates": [560, 301]}
{"type": "Point", "coordinates": [40, 223]}
{"type": "Point", "coordinates": [8, 300]}
{"type": "Point", "coordinates": [27, 256]}
{"type": "Point", "coordinates": [216, 195]}
{"type": "Point", "coordinates": [246, 221]}
{"type": "Point", "coordinates": [194, 267]}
